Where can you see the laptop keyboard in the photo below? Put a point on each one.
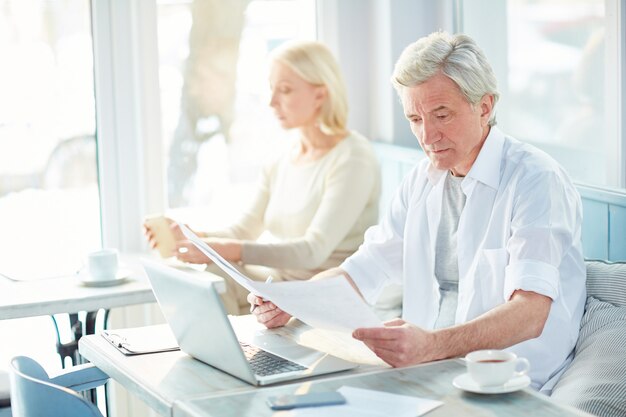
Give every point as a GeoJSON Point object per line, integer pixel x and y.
{"type": "Point", "coordinates": [264, 363]}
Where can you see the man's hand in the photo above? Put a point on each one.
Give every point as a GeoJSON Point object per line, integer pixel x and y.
{"type": "Point", "coordinates": [267, 313]}
{"type": "Point", "coordinates": [398, 343]}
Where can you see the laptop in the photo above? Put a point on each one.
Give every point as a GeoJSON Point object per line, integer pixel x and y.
{"type": "Point", "coordinates": [194, 311]}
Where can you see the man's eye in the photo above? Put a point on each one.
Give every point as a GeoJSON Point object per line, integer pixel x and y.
{"type": "Point", "coordinates": [415, 120]}
{"type": "Point", "coordinates": [442, 116]}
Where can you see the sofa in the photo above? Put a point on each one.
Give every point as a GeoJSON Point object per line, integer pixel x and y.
{"type": "Point", "coordinates": [595, 381]}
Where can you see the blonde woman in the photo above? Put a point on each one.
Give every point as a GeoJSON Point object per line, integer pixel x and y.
{"type": "Point", "coordinates": [317, 199]}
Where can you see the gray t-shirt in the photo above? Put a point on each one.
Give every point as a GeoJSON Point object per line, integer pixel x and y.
{"type": "Point", "coordinates": [446, 255]}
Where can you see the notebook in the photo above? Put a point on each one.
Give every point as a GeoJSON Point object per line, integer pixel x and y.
{"type": "Point", "coordinates": [199, 322]}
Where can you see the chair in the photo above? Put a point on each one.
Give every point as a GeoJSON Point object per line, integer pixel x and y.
{"type": "Point", "coordinates": [34, 393]}
{"type": "Point", "coordinates": [5, 397]}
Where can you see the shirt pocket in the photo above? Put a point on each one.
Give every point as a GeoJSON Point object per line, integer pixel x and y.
{"type": "Point", "coordinates": [491, 269]}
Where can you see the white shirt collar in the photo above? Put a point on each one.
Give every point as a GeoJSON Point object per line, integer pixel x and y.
{"type": "Point", "coordinates": [486, 167]}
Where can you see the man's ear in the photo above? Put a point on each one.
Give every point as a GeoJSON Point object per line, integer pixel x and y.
{"type": "Point", "coordinates": [486, 107]}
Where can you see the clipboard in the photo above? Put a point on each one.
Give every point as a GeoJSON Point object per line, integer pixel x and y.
{"type": "Point", "coordinates": [142, 340]}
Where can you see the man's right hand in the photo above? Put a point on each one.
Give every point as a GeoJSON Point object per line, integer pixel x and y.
{"type": "Point", "coordinates": [267, 313]}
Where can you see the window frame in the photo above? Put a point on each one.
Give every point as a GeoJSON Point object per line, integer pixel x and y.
{"type": "Point", "coordinates": [614, 75]}
{"type": "Point", "coordinates": [127, 104]}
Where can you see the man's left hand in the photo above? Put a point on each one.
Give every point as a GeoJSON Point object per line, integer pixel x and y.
{"type": "Point", "coordinates": [398, 343]}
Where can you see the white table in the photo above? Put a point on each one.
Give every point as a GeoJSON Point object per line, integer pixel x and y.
{"type": "Point", "coordinates": [68, 295]}
{"type": "Point", "coordinates": [432, 381]}
{"type": "Point", "coordinates": [175, 385]}
{"type": "Point", "coordinates": [163, 379]}
{"type": "Point", "coordinates": [19, 299]}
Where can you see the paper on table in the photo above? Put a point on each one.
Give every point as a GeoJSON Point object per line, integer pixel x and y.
{"type": "Point", "coordinates": [370, 403]}
{"type": "Point", "coordinates": [328, 304]}
{"type": "Point", "coordinates": [140, 340]}
{"type": "Point", "coordinates": [340, 344]}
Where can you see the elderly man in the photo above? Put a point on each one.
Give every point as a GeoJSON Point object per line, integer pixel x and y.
{"type": "Point", "coordinates": [484, 233]}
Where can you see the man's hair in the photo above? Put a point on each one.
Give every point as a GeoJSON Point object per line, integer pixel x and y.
{"type": "Point", "coordinates": [314, 62]}
{"type": "Point", "coordinates": [456, 56]}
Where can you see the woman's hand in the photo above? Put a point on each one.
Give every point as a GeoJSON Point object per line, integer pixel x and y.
{"type": "Point", "coordinates": [229, 249]}
{"type": "Point", "coordinates": [151, 225]}
{"type": "Point", "coordinates": [182, 248]}
{"type": "Point", "coordinates": [178, 234]}
{"type": "Point", "coordinates": [188, 252]}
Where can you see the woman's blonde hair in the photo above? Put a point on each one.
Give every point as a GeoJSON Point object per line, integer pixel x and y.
{"type": "Point", "coordinates": [314, 62]}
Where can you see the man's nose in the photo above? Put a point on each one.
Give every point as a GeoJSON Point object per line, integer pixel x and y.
{"type": "Point", "coordinates": [429, 133]}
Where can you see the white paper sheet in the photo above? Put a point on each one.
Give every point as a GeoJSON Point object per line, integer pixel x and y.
{"type": "Point", "coordinates": [328, 303]}
{"type": "Point", "coordinates": [369, 403]}
{"type": "Point", "coordinates": [243, 280]}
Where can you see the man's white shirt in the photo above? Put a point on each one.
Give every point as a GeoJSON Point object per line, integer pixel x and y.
{"type": "Point", "coordinates": [520, 229]}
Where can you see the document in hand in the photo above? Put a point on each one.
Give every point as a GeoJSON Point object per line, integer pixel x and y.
{"type": "Point", "coordinates": [328, 303]}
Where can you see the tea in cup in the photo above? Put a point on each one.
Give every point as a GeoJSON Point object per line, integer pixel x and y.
{"type": "Point", "coordinates": [495, 367]}
{"type": "Point", "coordinates": [102, 264]}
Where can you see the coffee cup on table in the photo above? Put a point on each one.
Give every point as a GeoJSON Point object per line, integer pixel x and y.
{"type": "Point", "coordinates": [103, 264]}
{"type": "Point", "coordinates": [495, 367]}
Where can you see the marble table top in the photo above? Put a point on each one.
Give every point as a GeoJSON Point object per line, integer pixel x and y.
{"type": "Point", "coordinates": [431, 381]}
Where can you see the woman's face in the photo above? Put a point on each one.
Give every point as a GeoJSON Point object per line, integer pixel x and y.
{"type": "Point", "coordinates": [296, 102]}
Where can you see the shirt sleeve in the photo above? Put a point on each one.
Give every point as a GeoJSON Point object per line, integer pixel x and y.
{"type": "Point", "coordinates": [546, 224]}
{"type": "Point", "coordinates": [349, 186]}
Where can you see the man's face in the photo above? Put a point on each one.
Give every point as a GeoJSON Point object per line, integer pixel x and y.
{"type": "Point", "coordinates": [450, 130]}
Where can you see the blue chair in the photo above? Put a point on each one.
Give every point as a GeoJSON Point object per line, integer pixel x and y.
{"type": "Point", "coordinates": [5, 396]}
{"type": "Point", "coordinates": [35, 394]}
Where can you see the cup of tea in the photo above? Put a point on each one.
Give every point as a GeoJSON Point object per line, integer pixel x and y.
{"type": "Point", "coordinates": [102, 264]}
{"type": "Point", "coordinates": [495, 367]}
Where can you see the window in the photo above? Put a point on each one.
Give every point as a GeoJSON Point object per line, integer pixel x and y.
{"type": "Point", "coordinates": [217, 124]}
{"type": "Point", "coordinates": [49, 203]}
{"type": "Point", "coordinates": [551, 59]}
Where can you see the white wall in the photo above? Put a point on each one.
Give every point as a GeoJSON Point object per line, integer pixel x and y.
{"type": "Point", "coordinates": [367, 36]}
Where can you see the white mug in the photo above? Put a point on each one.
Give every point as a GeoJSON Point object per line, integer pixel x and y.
{"type": "Point", "coordinates": [102, 264]}
{"type": "Point", "coordinates": [495, 367]}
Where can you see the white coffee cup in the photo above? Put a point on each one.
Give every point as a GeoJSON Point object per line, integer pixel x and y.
{"type": "Point", "coordinates": [102, 264]}
{"type": "Point", "coordinates": [495, 367]}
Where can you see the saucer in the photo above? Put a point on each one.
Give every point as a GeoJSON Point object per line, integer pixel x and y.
{"type": "Point", "coordinates": [120, 277]}
{"type": "Point", "coordinates": [466, 383]}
